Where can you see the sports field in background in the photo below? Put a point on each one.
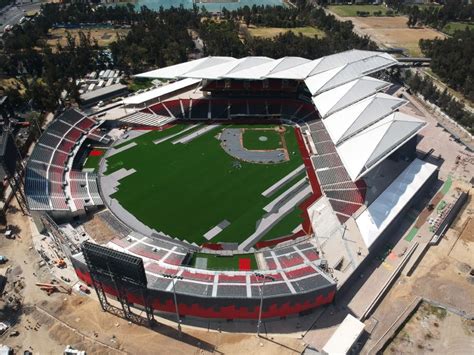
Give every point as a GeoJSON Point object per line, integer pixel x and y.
{"type": "Point", "coordinates": [270, 32]}
{"type": "Point", "coordinates": [185, 190]}
{"type": "Point", "coordinates": [351, 10]}
{"type": "Point", "coordinates": [452, 27]}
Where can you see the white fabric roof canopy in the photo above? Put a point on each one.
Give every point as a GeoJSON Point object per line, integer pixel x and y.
{"type": "Point", "coordinates": [365, 150]}
{"type": "Point", "coordinates": [159, 91]}
{"type": "Point", "coordinates": [284, 68]}
{"type": "Point", "coordinates": [349, 121]}
{"type": "Point", "coordinates": [376, 218]}
{"type": "Point", "coordinates": [347, 94]}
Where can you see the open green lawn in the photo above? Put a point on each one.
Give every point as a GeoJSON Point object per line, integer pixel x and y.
{"type": "Point", "coordinates": [185, 190]}
{"type": "Point", "coordinates": [258, 139]}
{"type": "Point", "coordinates": [285, 226]}
{"type": "Point", "coordinates": [351, 10]}
{"type": "Point", "coordinates": [270, 32]}
{"type": "Point", "coordinates": [452, 27]}
{"type": "Point", "coordinates": [140, 84]}
{"type": "Point", "coordinates": [92, 162]}
{"type": "Point", "coordinates": [215, 262]}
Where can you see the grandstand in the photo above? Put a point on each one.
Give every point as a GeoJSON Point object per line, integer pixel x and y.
{"type": "Point", "coordinates": [357, 146]}
{"type": "Point", "coordinates": [50, 185]}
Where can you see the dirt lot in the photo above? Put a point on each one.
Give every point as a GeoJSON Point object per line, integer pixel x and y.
{"type": "Point", "coordinates": [435, 330]}
{"type": "Point", "coordinates": [101, 231]}
{"type": "Point", "coordinates": [104, 36]}
{"type": "Point", "coordinates": [442, 276]}
{"type": "Point", "coordinates": [393, 32]}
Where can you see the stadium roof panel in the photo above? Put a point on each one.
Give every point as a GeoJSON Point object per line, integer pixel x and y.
{"type": "Point", "coordinates": [352, 64]}
{"type": "Point", "coordinates": [159, 91]}
{"type": "Point", "coordinates": [265, 69]}
{"type": "Point", "coordinates": [378, 216]}
{"type": "Point", "coordinates": [351, 120]}
{"type": "Point", "coordinates": [336, 60]}
{"type": "Point", "coordinates": [178, 70]}
{"type": "Point", "coordinates": [367, 149]}
{"type": "Point", "coordinates": [347, 94]}
{"type": "Point", "coordinates": [320, 82]}
{"type": "Point", "coordinates": [227, 68]}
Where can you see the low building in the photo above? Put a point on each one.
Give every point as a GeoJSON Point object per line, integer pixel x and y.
{"type": "Point", "coordinates": [106, 93]}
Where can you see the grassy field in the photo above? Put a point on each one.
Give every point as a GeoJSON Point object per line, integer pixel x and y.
{"type": "Point", "coordinates": [452, 27]}
{"type": "Point", "coordinates": [140, 84]}
{"type": "Point", "coordinates": [270, 32]}
{"type": "Point", "coordinates": [93, 161]}
{"type": "Point", "coordinates": [285, 226]}
{"type": "Point", "coordinates": [257, 139]}
{"type": "Point", "coordinates": [185, 190]}
{"type": "Point", "coordinates": [104, 36]}
{"type": "Point", "coordinates": [215, 262]}
{"type": "Point", "coordinates": [351, 10]}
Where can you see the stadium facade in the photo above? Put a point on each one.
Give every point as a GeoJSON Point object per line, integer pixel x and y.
{"type": "Point", "coordinates": [358, 145]}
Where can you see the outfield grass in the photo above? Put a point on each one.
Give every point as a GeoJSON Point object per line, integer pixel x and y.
{"type": "Point", "coordinates": [351, 10]}
{"type": "Point", "coordinates": [286, 226]}
{"type": "Point", "coordinates": [452, 27]}
{"type": "Point", "coordinates": [270, 32]}
{"type": "Point", "coordinates": [254, 139]}
{"type": "Point", "coordinates": [93, 162]}
{"type": "Point", "coordinates": [215, 262]}
{"type": "Point", "coordinates": [185, 190]}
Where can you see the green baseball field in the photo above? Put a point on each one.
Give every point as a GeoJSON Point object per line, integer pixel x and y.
{"type": "Point", "coordinates": [186, 190]}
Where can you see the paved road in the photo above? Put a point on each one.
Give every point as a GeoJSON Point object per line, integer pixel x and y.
{"type": "Point", "coordinates": [11, 15]}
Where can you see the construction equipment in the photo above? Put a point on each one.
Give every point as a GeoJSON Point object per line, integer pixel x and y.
{"type": "Point", "coordinates": [50, 288]}
{"type": "Point", "coordinates": [60, 263]}
{"type": "Point", "coordinates": [84, 289]}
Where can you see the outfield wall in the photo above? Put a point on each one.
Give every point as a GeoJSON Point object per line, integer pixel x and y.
{"type": "Point", "coordinates": [220, 307]}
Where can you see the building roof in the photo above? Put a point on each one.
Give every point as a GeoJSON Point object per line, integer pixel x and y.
{"type": "Point", "coordinates": [159, 91]}
{"type": "Point", "coordinates": [336, 76]}
{"type": "Point", "coordinates": [107, 90]}
{"type": "Point", "coordinates": [347, 122]}
{"type": "Point", "coordinates": [342, 96]}
{"type": "Point", "coordinates": [378, 216]}
{"type": "Point", "coordinates": [344, 337]}
{"type": "Point", "coordinates": [327, 72]}
{"type": "Point", "coordinates": [178, 70]}
{"type": "Point", "coordinates": [365, 150]}
{"type": "Point", "coordinates": [228, 69]}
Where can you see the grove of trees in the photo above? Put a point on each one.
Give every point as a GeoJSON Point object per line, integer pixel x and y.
{"type": "Point", "coordinates": [452, 59]}
{"type": "Point", "coordinates": [442, 99]}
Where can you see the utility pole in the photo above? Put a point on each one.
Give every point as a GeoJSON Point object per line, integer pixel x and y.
{"type": "Point", "coordinates": [265, 278]}
{"type": "Point", "coordinates": [174, 278]}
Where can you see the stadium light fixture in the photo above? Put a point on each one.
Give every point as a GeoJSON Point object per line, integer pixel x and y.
{"type": "Point", "coordinates": [174, 278]}
{"type": "Point", "coordinates": [265, 278]}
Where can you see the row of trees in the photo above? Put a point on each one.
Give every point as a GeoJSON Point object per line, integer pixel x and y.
{"type": "Point", "coordinates": [156, 39]}
{"type": "Point", "coordinates": [222, 38]}
{"type": "Point", "coordinates": [452, 59]}
{"type": "Point", "coordinates": [435, 16]}
{"type": "Point", "coordinates": [443, 100]}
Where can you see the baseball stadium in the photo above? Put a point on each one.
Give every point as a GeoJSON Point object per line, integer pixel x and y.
{"type": "Point", "coordinates": [235, 189]}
